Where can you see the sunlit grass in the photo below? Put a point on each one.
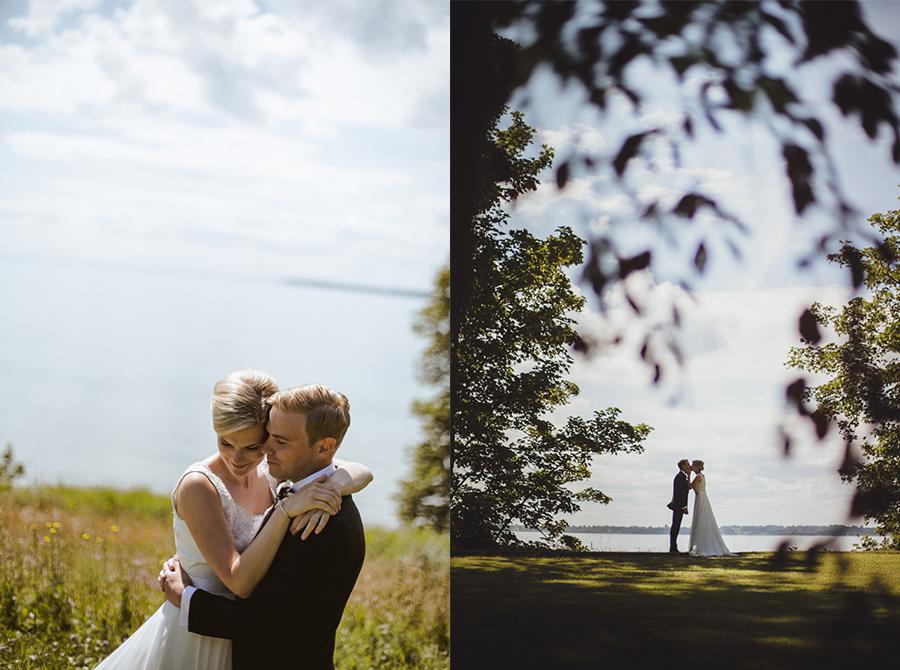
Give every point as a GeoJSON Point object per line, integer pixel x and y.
{"type": "Point", "coordinates": [641, 610]}
{"type": "Point", "coordinates": [399, 614]}
{"type": "Point", "coordinates": [78, 568]}
{"type": "Point", "coordinates": [133, 503]}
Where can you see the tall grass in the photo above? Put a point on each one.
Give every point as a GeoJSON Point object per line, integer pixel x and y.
{"type": "Point", "coordinates": [78, 569]}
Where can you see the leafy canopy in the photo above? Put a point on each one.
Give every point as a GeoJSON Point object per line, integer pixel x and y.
{"type": "Point", "coordinates": [862, 393]}
{"type": "Point", "coordinates": [424, 495]}
{"type": "Point", "coordinates": [734, 65]}
{"type": "Point", "coordinates": [512, 464]}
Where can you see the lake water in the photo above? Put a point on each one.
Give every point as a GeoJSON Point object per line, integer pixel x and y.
{"type": "Point", "coordinates": [736, 543]}
{"type": "Point", "coordinates": [105, 374]}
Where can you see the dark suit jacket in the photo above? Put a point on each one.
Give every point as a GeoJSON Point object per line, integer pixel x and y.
{"type": "Point", "coordinates": [290, 620]}
{"type": "Point", "coordinates": [680, 488]}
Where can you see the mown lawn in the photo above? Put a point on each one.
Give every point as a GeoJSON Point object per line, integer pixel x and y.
{"type": "Point", "coordinates": [78, 569]}
{"type": "Point", "coordinates": [634, 610]}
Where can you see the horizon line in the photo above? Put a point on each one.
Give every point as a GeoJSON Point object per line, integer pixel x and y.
{"type": "Point", "coordinates": [149, 271]}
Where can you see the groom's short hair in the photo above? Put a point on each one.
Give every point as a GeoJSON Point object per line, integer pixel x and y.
{"type": "Point", "coordinates": [683, 461]}
{"type": "Point", "coordinates": [327, 412]}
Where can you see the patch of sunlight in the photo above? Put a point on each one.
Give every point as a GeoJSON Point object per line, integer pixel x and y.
{"type": "Point", "coordinates": [666, 588]}
{"type": "Point", "coordinates": [752, 573]}
{"type": "Point", "coordinates": [580, 583]}
{"type": "Point", "coordinates": [782, 641]}
{"type": "Point", "coordinates": [478, 568]}
{"type": "Point", "coordinates": [487, 564]}
{"type": "Point", "coordinates": [780, 620]}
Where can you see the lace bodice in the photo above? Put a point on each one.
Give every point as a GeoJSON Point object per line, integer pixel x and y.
{"type": "Point", "coordinates": [700, 486]}
{"type": "Point", "coordinates": [242, 523]}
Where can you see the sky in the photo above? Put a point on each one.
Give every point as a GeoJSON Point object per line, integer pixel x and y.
{"type": "Point", "coordinates": [172, 172]}
{"type": "Point", "coordinates": [726, 405]}
{"type": "Point", "coordinates": [213, 137]}
{"type": "Point", "coordinates": [274, 140]}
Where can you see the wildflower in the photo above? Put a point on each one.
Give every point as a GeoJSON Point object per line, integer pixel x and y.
{"type": "Point", "coordinates": [99, 540]}
{"type": "Point", "coordinates": [85, 536]}
{"type": "Point", "coordinates": [114, 528]}
{"type": "Point", "coordinates": [53, 531]}
{"type": "Point", "coordinates": [56, 524]}
{"type": "Point", "coordinates": [46, 538]}
{"type": "Point", "coordinates": [48, 524]}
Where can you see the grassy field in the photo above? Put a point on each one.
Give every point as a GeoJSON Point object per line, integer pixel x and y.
{"type": "Point", "coordinates": [634, 610]}
{"type": "Point", "coordinates": [78, 569]}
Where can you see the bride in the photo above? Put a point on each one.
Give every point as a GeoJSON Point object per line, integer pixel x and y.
{"type": "Point", "coordinates": [219, 506]}
{"type": "Point", "coordinates": [706, 539]}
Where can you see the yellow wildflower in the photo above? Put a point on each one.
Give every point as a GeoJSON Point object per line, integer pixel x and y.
{"type": "Point", "coordinates": [85, 536]}
{"type": "Point", "coordinates": [46, 538]}
{"type": "Point", "coordinates": [114, 528]}
{"type": "Point", "coordinates": [53, 531]}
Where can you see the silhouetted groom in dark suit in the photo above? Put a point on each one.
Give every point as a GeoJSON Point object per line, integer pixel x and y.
{"type": "Point", "coordinates": [679, 504]}
{"type": "Point", "coordinates": [290, 619]}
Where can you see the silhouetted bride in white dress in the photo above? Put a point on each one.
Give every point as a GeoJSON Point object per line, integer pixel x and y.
{"type": "Point", "coordinates": [706, 539]}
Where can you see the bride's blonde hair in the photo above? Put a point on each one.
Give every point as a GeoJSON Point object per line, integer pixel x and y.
{"type": "Point", "coordinates": [699, 465]}
{"type": "Point", "coordinates": [239, 400]}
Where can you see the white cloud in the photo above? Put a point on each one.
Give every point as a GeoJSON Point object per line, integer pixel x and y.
{"type": "Point", "coordinates": [227, 57]}
{"type": "Point", "coordinates": [731, 404]}
{"type": "Point", "coordinates": [573, 137]}
{"type": "Point", "coordinates": [296, 129]}
{"type": "Point", "coordinates": [44, 15]}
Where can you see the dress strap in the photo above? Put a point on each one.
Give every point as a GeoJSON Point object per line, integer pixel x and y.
{"type": "Point", "coordinates": [213, 478]}
{"type": "Point", "coordinates": [263, 469]}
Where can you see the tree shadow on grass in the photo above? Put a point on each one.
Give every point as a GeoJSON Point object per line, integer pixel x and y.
{"type": "Point", "coordinates": [634, 610]}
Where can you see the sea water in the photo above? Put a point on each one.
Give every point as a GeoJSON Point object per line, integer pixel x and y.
{"type": "Point", "coordinates": [106, 374]}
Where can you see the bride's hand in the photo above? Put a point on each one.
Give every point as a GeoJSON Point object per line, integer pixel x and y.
{"type": "Point", "coordinates": [320, 495]}
{"type": "Point", "coordinates": [311, 522]}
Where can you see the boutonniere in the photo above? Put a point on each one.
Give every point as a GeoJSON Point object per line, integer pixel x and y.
{"type": "Point", "coordinates": [284, 490]}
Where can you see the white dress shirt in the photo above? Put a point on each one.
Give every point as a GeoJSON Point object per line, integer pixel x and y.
{"type": "Point", "coordinates": [189, 590]}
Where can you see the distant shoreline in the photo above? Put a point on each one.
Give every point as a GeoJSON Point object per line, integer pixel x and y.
{"type": "Point", "coordinates": [834, 531]}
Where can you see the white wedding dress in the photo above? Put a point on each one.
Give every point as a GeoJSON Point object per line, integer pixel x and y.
{"type": "Point", "coordinates": [706, 539]}
{"type": "Point", "coordinates": [161, 643]}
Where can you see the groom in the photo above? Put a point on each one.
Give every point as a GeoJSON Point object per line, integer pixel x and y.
{"type": "Point", "coordinates": [291, 618]}
{"type": "Point", "coordinates": [679, 503]}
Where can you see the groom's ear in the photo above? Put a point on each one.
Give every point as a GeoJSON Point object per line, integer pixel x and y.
{"type": "Point", "coordinates": [326, 446]}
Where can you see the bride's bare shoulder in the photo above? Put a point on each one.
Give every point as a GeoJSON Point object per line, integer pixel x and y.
{"type": "Point", "coordinates": [192, 490]}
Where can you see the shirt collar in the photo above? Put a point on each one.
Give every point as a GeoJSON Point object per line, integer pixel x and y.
{"type": "Point", "coordinates": [327, 470]}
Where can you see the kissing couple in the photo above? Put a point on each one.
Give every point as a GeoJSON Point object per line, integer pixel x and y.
{"type": "Point", "coordinates": [706, 539]}
{"type": "Point", "coordinates": [262, 571]}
